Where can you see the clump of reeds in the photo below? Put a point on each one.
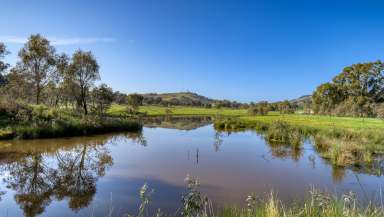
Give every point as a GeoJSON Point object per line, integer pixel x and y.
{"type": "Point", "coordinates": [281, 132]}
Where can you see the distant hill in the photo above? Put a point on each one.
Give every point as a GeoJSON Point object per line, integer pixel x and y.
{"type": "Point", "coordinates": [303, 100]}
{"type": "Point", "coordinates": [180, 98]}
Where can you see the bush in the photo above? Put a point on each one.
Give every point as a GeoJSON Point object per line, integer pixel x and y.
{"type": "Point", "coordinates": [42, 113]}
{"type": "Point", "coordinates": [282, 133]}
{"type": "Point", "coordinates": [6, 133]}
{"type": "Point", "coordinates": [261, 108]}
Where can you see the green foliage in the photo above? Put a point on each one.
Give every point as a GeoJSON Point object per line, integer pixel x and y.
{"type": "Point", "coordinates": [6, 133]}
{"type": "Point", "coordinates": [135, 100]}
{"type": "Point", "coordinates": [41, 113]}
{"type": "Point", "coordinates": [73, 126]}
{"type": "Point", "coordinates": [103, 97]}
{"type": "Point", "coordinates": [3, 65]}
{"type": "Point", "coordinates": [37, 63]}
{"type": "Point", "coordinates": [261, 108]}
{"type": "Point", "coordinates": [354, 92]}
{"type": "Point", "coordinates": [83, 72]}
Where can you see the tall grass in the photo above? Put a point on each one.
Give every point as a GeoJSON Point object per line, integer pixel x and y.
{"type": "Point", "coordinates": [316, 204]}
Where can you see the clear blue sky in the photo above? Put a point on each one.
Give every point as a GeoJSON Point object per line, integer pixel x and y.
{"type": "Point", "coordinates": [235, 49]}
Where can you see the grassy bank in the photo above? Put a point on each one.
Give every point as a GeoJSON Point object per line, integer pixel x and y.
{"type": "Point", "coordinates": [342, 146]}
{"type": "Point", "coordinates": [76, 127]}
{"type": "Point", "coordinates": [44, 122]}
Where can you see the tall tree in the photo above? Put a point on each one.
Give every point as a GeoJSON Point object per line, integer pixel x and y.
{"type": "Point", "coordinates": [85, 71]}
{"type": "Point", "coordinates": [3, 65]}
{"type": "Point", "coordinates": [362, 79]}
{"type": "Point", "coordinates": [37, 62]}
{"type": "Point", "coordinates": [55, 86]}
{"type": "Point", "coordinates": [326, 97]}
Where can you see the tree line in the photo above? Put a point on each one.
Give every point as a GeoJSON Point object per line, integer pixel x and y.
{"type": "Point", "coordinates": [41, 76]}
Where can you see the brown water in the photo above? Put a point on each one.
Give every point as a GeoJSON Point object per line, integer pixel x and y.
{"type": "Point", "coordinates": [89, 176]}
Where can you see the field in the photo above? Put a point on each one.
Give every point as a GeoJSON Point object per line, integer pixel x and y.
{"type": "Point", "coordinates": [180, 111]}
{"type": "Point", "coordinates": [320, 122]}
{"type": "Point", "coordinates": [315, 121]}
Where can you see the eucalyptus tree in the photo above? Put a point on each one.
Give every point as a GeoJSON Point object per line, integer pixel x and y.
{"type": "Point", "coordinates": [84, 72]}
{"type": "Point", "coordinates": [55, 87]}
{"type": "Point", "coordinates": [3, 65]}
{"type": "Point", "coordinates": [362, 80]}
{"type": "Point", "coordinates": [38, 63]}
{"type": "Point", "coordinates": [326, 97]}
{"type": "Point", "coordinates": [355, 91]}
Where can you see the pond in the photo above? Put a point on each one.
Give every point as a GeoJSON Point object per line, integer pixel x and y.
{"type": "Point", "coordinates": [95, 175]}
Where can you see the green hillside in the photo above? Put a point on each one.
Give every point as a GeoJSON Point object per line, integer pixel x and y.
{"type": "Point", "coordinates": [179, 98]}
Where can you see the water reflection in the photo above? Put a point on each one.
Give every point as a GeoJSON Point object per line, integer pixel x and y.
{"type": "Point", "coordinates": [81, 173]}
{"type": "Point", "coordinates": [39, 173]}
{"type": "Point", "coordinates": [177, 122]}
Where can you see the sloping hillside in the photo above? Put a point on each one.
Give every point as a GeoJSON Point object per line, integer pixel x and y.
{"type": "Point", "coordinates": [180, 98]}
{"type": "Point", "coordinates": [302, 101]}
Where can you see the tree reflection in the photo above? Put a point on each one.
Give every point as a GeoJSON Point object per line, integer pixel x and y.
{"type": "Point", "coordinates": [77, 173]}
{"type": "Point", "coordinates": [69, 174]}
{"type": "Point", "coordinates": [33, 183]}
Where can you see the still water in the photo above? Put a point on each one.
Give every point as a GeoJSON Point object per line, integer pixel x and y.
{"type": "Point", "coordinates": [95, 175]}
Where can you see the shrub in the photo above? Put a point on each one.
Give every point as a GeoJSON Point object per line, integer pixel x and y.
{"type": "Point", "coordinates": [281, 132]}
{"type": "Point", "coordinates": [261, 108]}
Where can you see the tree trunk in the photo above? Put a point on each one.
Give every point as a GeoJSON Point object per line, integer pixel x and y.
{"type": "Point", "coordinates": [37, 96]}
{"type": "Point", "coordinates": [85, 107]}
{"type": "Point", "coordinates": [84, 100]}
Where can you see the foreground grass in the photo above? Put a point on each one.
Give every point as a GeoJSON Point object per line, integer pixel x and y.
{"type": "Point", "coordinates": [317, 204]}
